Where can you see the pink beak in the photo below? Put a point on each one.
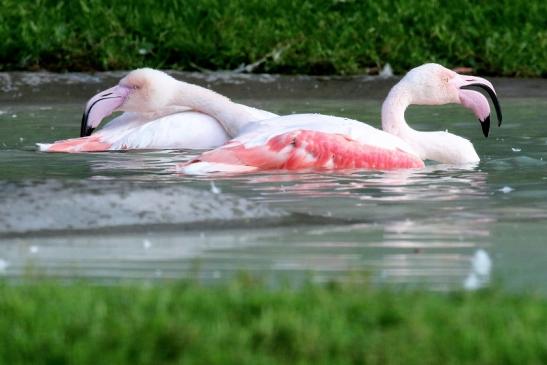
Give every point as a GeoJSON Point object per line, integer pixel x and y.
{"type": "Point", "coordinates": [476, 101]}
{"type": "Point", "coordinates": [100, 106]}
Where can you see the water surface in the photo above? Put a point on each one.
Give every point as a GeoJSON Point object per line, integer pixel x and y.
{"type": "Point", "coordinates": [127, 215]}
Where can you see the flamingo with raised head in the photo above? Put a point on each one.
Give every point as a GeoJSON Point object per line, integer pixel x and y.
{"type": "Point", "coordinates": [315, 141]}
{"type": "Point", "coordinates": [155, 117]}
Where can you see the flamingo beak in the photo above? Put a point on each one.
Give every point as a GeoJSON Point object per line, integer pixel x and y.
{"type": "Point", "coordinates": [476, 101]}
{"type": "Point", "coordinates": [100, 106]}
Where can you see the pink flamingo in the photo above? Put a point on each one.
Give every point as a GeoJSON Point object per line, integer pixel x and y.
{"type": "Point", "coordinates": [154, 118]}
{"type": "Point", "coordinates": [315, 141]}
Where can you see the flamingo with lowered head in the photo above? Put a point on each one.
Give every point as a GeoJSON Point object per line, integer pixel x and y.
{"type": "Point", "coordinates": [315, 141]}
{"type": "Point", "coordinates": [154, 118]}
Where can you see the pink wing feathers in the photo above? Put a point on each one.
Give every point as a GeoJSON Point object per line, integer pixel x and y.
{"type": "Point", "coordinates": [304, 149]}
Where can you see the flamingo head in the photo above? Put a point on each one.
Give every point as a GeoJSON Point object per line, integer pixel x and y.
{"type": "Point", "coordinates": [433, 84]}
{"type": "Point", "coordinates": [143, 90]}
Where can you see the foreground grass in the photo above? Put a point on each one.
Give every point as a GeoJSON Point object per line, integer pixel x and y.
{"type": "Point", "coordinates": [310, 36]}
{"type": "Point", "coordinates": [247, 323]}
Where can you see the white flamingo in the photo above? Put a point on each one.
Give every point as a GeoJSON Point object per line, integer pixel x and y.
{"type": "Point", "coordinates": [315, 141]}
{"type": "Point", "coordinates": [153, 118]}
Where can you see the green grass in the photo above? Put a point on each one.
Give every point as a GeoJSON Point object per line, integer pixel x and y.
{"type": "Point", "coordinates": [244, 322]}
{"type": "Point", "coordinates": [506, 37]}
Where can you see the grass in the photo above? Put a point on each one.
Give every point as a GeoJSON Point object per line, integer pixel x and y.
{"type": "Point", "coordinates": [244, 322]}
{"type": "Point", "coordinates": [506, 37]}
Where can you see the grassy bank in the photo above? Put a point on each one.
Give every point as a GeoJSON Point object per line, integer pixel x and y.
{"type": "Point", "coordinates": [311, 37]}
{"type": "Point", "coordinates": [245, 323]}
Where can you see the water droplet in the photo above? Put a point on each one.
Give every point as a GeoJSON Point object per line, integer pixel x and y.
{"type": "Point", "coordinates": [481, 263]}
{"type": "Point", "coordinates": [3, 265]}
{"type": "Point", "coordinates": [215, 189]}
{"type": "Point", "coordinates": [479, 275]}
{"type": "Point", "coordinates": [146, 244]}
{"type": "Point", "coordinates": [471, 282]}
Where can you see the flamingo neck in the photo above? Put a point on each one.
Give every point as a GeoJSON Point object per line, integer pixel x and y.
{"type": "Point", "coordinates": [393, 110]}
{"type": "Point", "coordinates": [231, 116]}
{"type": "Point", "coordinates": [442, 147]}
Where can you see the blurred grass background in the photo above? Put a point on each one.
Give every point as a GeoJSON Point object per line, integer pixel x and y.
{"type": "Point", "coordinates": [247, 322]}
{"type": "Point", "coordinates": [503, 37]}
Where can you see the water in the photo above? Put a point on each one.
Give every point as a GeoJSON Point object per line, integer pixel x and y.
{"type": "Point", "coordinates": [111, 216]}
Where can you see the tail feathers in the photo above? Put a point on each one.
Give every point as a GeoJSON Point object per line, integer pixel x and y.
{"type": "Point", "coordinates": [43, 147]}
{"type": "Point", "coordinates": [232, 158]}
{"type": "Point", "coordinates": [74, 145]}
{"type": "Point", "coordinates": [204, 168]}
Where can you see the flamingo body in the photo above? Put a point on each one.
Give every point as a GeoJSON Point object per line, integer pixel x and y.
{"type": "Point", "coordinates": [307, 141]}
{"type": "Point", "coordinates": [315, 141]}
{"type": "Point", "coordinates": [156, 117]}
{"type": "Point", "coordinates": [132, 131]}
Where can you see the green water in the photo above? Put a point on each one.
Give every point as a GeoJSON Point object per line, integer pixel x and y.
{"type": "Point", "coordinates": [128, 215]}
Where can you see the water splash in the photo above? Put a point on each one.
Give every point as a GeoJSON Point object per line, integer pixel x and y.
{"type": "Point", "coordinates": [479, 275]}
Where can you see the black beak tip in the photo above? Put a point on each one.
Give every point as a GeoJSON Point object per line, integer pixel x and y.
{"type": "Point", "coordinates": [88, 131]}
{"type": "Point", "coordinates": [85, 130]}
{"type": "Point", "coordinates": [493, 96]}
{"type": "Point", "coordinates": [83, 126]}
{"type": "Point", "coordinates": [485, 126]}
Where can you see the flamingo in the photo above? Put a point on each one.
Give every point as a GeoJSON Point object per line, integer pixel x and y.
{"type": "Point", "coordinates": [315, 141]}
{"type": "Point", "coordinates": [154, 118]}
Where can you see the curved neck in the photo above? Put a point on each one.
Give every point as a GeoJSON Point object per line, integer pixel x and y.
{"type": "Point", "coordinates": [442, 147]}
{"type": "Point", "coordinates": [393, 119]}
{"type": "Point", "coordinates": [231, 115]}
{"type": "Point", "coordinates": [393, 111]}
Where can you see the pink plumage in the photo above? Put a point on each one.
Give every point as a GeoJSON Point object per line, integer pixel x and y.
{"type": "Point", "coordinates": [308, 149]}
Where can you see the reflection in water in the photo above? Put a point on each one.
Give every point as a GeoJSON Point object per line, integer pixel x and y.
{"type": "Point", "coordinates": [220, 254]}
{"type": "Point", "coordinates": [400, 227]}
{"type": "Point", "coordinates": [430, 183]}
